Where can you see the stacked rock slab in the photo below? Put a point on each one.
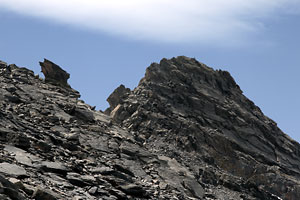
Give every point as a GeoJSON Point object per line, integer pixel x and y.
{"type": "Point", "coordinates": [186, 132]}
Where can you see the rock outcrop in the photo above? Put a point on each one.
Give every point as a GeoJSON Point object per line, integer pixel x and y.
{"type": "Point", "coordinates": [54, 74]}
{"type": "Point", "coordinates": [185, 132]}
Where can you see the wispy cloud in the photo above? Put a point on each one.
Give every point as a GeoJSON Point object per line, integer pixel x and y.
{"type": "Point", "coordinates": [161, 20]}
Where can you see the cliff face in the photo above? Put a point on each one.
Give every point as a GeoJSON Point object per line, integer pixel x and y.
{"type": "Point", "coordinates": [185, 132]}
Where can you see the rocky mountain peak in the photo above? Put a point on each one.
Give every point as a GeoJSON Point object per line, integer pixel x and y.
{"type": "Point", "coordinates": [188, 71]}
{"type": "Point", "coordinates": [189, 106]}
{"type": "Point", "coordinates": [185, 132]}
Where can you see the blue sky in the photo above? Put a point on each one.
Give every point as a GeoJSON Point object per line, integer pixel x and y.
{"type": "Point", "coordinates": [103, 44]}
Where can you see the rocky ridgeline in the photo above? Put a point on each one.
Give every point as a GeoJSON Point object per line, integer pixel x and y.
{"type": "Point", "coordinates": [186, 132]}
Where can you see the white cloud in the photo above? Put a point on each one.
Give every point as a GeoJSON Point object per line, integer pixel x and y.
{"type": "Point", "coordinates": [160, 20]}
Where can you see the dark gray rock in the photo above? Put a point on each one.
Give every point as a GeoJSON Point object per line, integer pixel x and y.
{"type": "Point", "coordinates": [102, 170]}
{"type": "Point", "coordinates": [198, 116]}
{"type": "Point", "coordinates": [81, 180]}
{"type": "Point", "coordinates": [134, 190]}
{"type": "Point", "coordinates": [55, 167]}
{"type": "Point", "coordinates": [13, 98]}
{"type": "Point", "coordinates": [6, 183]}
{"type": "Point", "coordinates": [21, 156]}
{"type": "Point", "coordinates": [44, 194]}
{"type": "Point", "coordinates": [8, 190]}
{"type": "Point", "coordinates": [3, 64]}
{"type": "Point", "coordinates": [13, 194]}
{"type": "Point", "coordinates": [12, 170]}
{"type": "Point", "coordinates": [194, 187]}
{"type": "Point", "coordinates": [185, 132]}
{"type": "Point", "coordinates": [83, 114]}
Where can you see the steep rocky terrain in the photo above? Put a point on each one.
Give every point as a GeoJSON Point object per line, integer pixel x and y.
{"type": "Point", "coordinates": [185, 132]}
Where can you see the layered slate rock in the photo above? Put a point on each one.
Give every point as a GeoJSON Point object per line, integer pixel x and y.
{"type": "Point", "coordinates": [54, 146]}
{"type": "Point", "coordinates": [186, 132]}
{"type": "Point", "coordinates": [200, 119]}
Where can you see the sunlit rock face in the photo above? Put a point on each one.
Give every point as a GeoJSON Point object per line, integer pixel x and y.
{"type": "Point", "coordinates": [185, 132]}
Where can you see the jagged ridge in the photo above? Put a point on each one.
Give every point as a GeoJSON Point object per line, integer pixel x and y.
{"type": "Point", "coordinates": [202, 112]}
{"type": "Point", "coordinates": [186, 132]}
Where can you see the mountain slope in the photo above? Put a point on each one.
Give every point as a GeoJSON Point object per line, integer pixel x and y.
{"type": "Point", "coordinates": [206, 121]}
{"type": "Point", "coordinates": [186, 132]}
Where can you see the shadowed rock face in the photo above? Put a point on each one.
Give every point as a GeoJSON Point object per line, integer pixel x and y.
{"type": "Point", "coordinates": [186, 132]}
{"type": "Point", "coordinates": [211, 127]}
{"type": "Point", "coordinates": [115, 98]}
{"type": "Point", "coordinates": [54, 74]}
